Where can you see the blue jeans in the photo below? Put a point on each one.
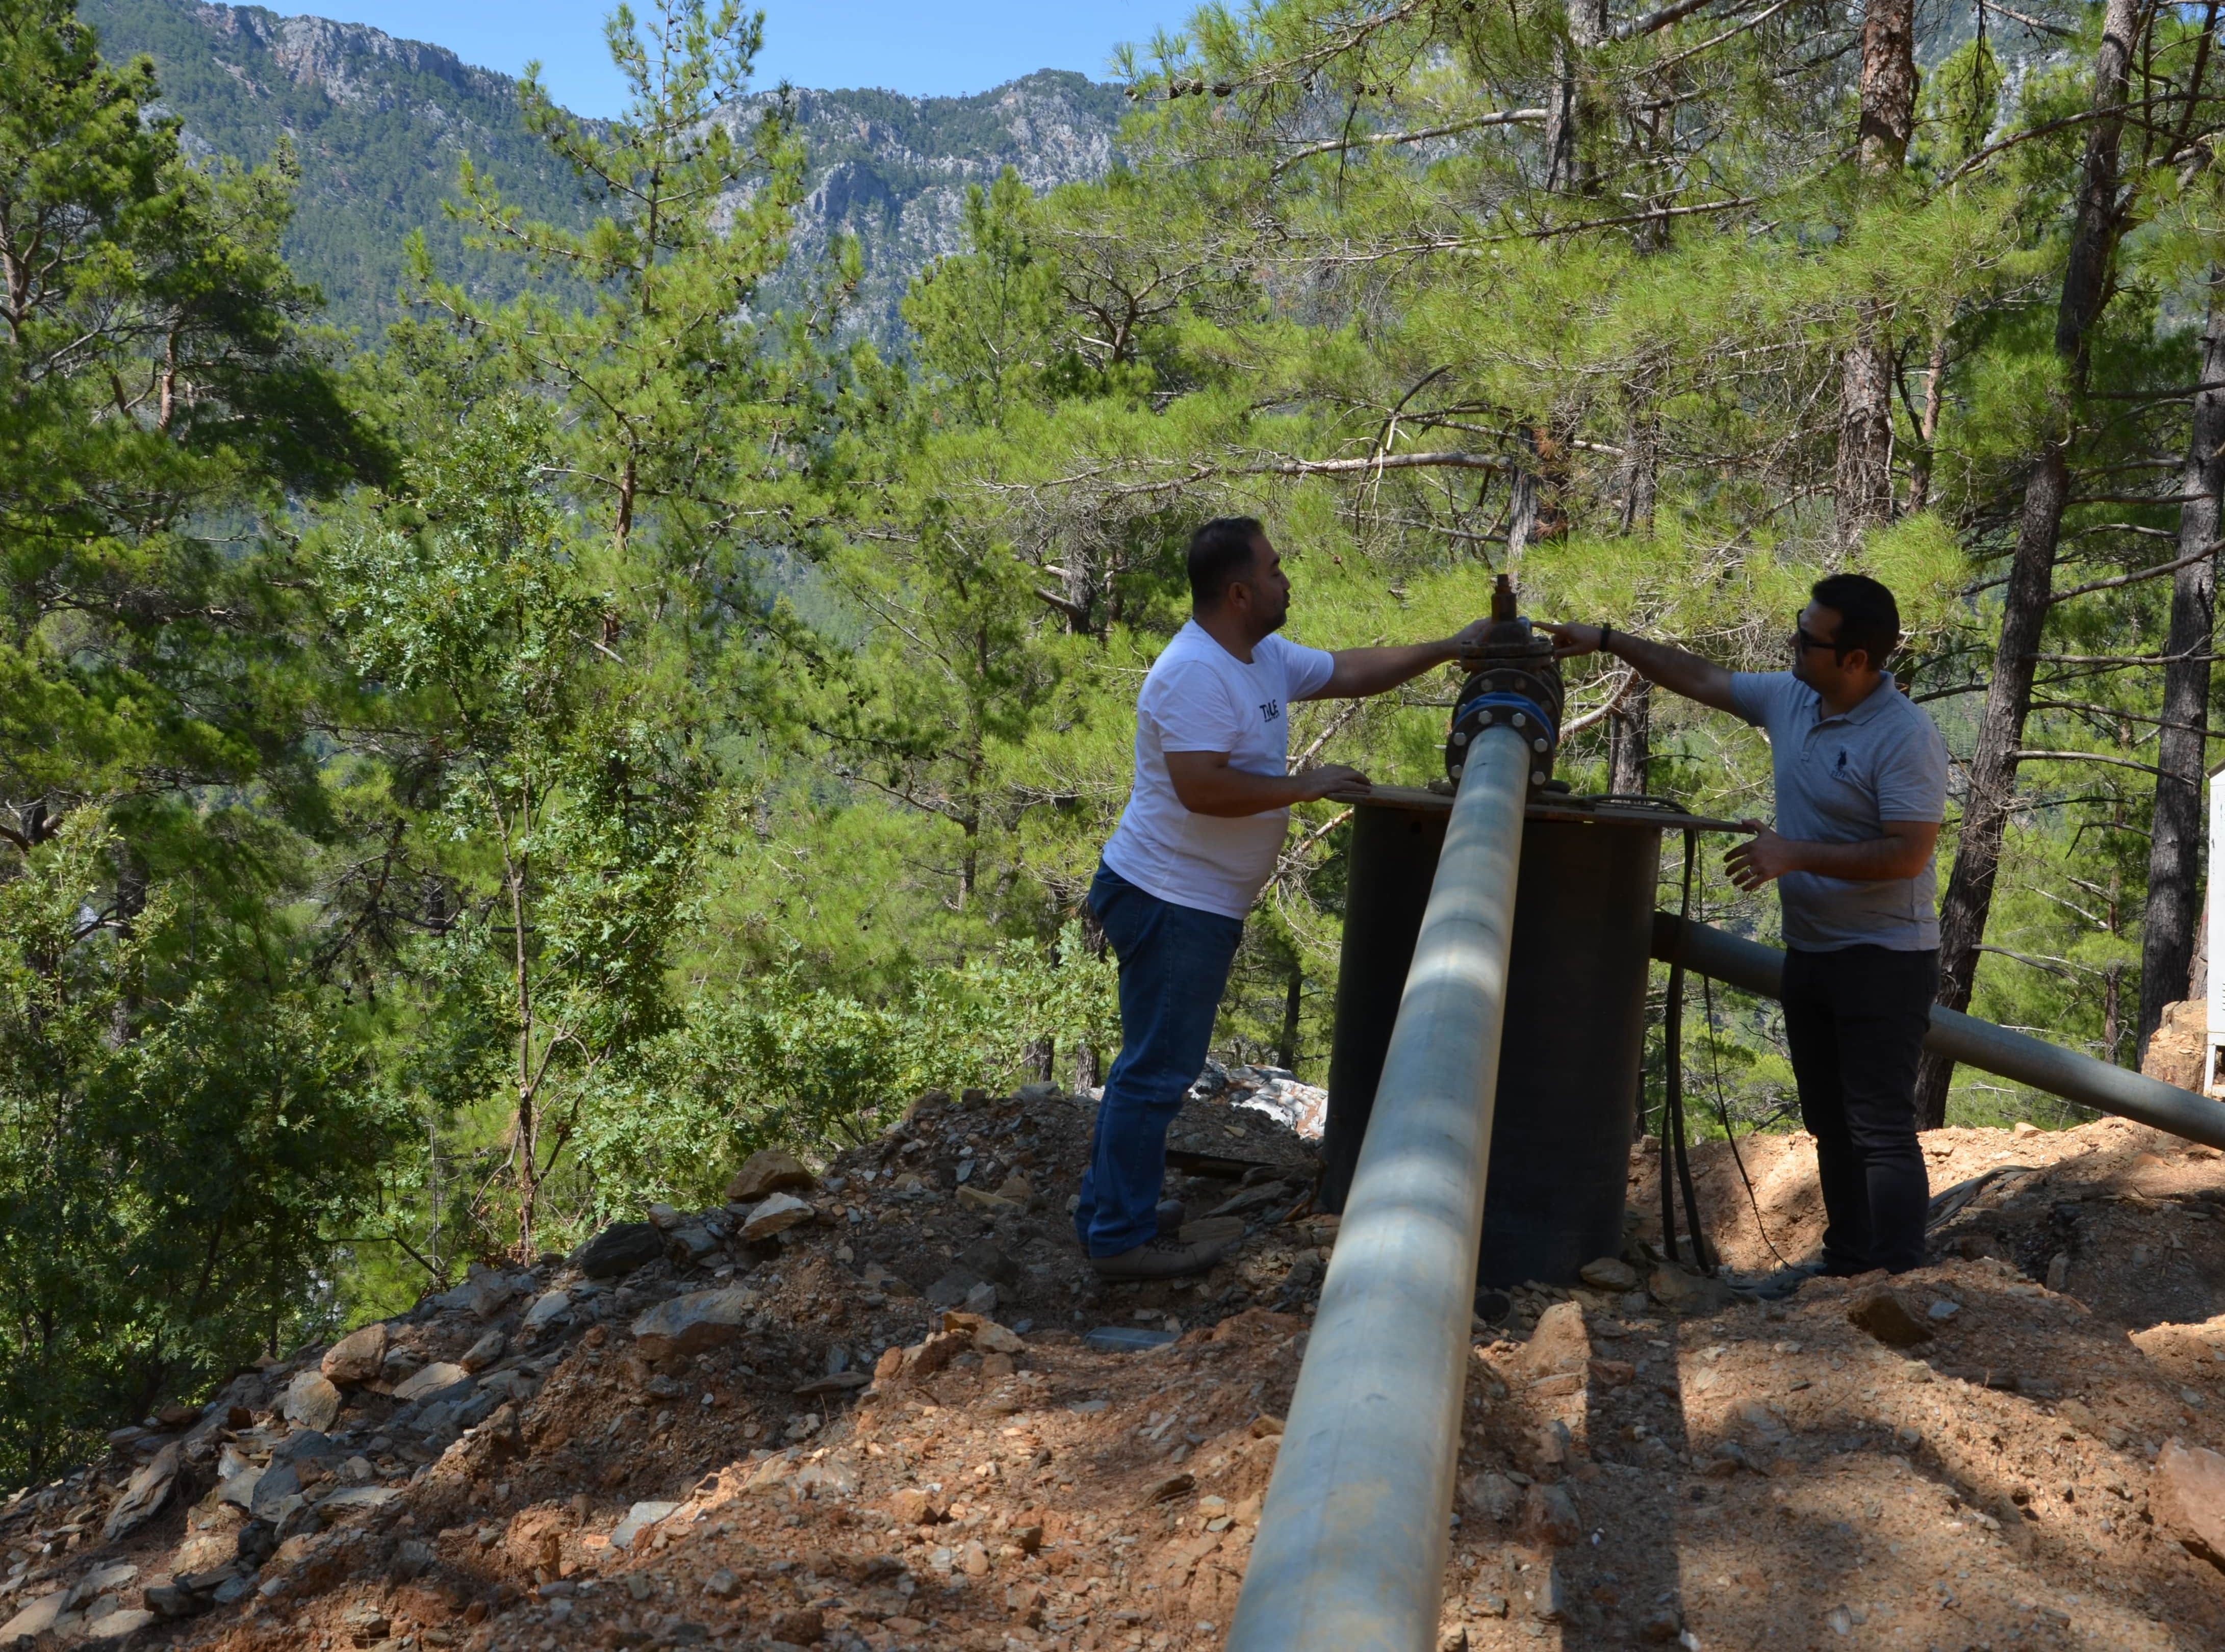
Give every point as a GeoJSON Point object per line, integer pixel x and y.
{"type": "Point", "coordinates": [1174, 962]}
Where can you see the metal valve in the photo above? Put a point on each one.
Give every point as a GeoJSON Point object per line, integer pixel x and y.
{"type": "Point", "coordinates": [1512, 678]}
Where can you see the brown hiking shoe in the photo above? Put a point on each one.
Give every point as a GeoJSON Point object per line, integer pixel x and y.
{"type": "Point", "coordinates": [1162, 1258]}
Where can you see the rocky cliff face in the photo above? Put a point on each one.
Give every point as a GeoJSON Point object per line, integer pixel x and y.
{"type": "Point", "coordinates": [349, 63]}
{"type": "Point", "coordinates": [381, 125]}
{"type": "Point", "coordinates": [894, 171]}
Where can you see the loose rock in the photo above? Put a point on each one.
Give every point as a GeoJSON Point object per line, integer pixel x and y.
{"type": "Point", "coordinates": [775, 1215]}
{"type": "Point", "coordinates": [689, 1324]}
{"type": "Point", "coordinates": [146, 1493]}
{"type": "Point", "coordinates": [618, 1249]}
{"type": "Point", "coordinates": [1887, 1315]}
{"type": "Point", "coordinates": [770, 1171]}
{"type": "Point", "coordinates": [312, 1402]}
{"type": "Point", "coordinates": [356, 1357]}
{"type": "Point", "coordinates": [2188, 1499]}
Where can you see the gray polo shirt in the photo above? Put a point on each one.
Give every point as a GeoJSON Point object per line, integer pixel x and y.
{"type": "Point", "coordinates": [1839, 779]}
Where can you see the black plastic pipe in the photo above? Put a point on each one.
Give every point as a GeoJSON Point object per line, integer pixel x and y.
{"type": "Point", "coordinates": [1753, 967]}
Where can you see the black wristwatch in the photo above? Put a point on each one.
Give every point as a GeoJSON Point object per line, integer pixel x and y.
{"type": "Point", "coordinates": [1606, 631]}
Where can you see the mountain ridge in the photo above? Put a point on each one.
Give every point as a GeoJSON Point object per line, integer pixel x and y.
{"type": "Point", "coordinates": [381, 123]}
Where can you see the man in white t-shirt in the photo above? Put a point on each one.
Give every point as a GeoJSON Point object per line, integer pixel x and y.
{"type": "Point", "coordinates": [1204, 824]}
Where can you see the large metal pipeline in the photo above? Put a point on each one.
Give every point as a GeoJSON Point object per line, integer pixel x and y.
{"type": "Point", "coordinates": [1351, 1551]}
{"type": "Point", "coordinates": [1755, 968]}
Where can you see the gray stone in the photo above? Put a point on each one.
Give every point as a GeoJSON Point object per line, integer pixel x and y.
{"type": "Point", "coordinates": [148, 1489]}
{"type": "Point", "coordinates": [175, 1600]}
{"type": "Point", "coordinates": [304, 1444]}
{"type": "Point", "coordinates": [101, 1580]}
{"type": "Point", "coordinates": [34, 1619]}
{"type": "Point", "coordinates": [434, 1380]}
{"type": "Point", "coordinates": [618, 1249]}
{"type": "Point", "coordinates": [1681, 1292]}
{"type": "Point", "coordinates": [1492, 1495]}
{"type": "Point", "coordinates": [484, 1293]}
{"type": "Point", "coordinates": [1127, 1339]}
{"type": "Point", "coordinates": [312, 1402]}
{"type": "Point", "coordinates": [119, 1626]}
{"type": "Point", "coordinates": [278, 1483]}
{"type": "Point", "coordinates": [355, 1499]}
{"type": "Point", "coordinates": [690, 1243]}
{"type": "Point", "coordinates": [550, 1308]}
{"type": "Point", "coordinates": [640, 1519]}
{"type": "Point", "coordinates": [777, 1215]}
{"type": "Point", "coordinates": [951, 1289]}
{"type": "Point", "coordinates": [985, 1257]}
{"type": "Point", "coordinates": [982, 1299]}
{"type": "Point", "coordinates": [1549, 1515]}
{"type": "Point", "coordinates": [689, 1324]}
{"type": "Point", "coordinates": [1609, 1274]}
{"type": "Point", "coordinates": [488, 1349]}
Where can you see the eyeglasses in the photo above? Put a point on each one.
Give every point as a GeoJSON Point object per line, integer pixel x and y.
{"type": "Point", "coordinates": [1802, 639]}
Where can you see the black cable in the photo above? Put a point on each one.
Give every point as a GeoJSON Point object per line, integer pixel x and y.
{"type": "Point", "coordinates": [1673, 1075]}
{"type": "Point", "coordinates": [1723, 1115]}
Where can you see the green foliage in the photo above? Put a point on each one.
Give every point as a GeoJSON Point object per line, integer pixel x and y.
{"type": "Point", "coordinates": [180, 1139]}
{"type": "Point", "coordinates": [784, 1062]}
{"type": "Point", "coordinates": [613, 726]}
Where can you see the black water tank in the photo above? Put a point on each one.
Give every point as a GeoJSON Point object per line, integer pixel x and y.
{"type": "Point", "coordinates": [1576, 1026]}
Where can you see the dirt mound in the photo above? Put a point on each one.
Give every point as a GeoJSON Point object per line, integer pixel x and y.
{"type": "Point", "coordinates": [885, 1425]}
{"type": "Point", "coordinates": [2128, 1219]}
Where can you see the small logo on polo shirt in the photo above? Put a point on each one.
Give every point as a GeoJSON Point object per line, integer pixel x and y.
{"type": "Point", "coordinates": [1842, 760]}
{"type": "Point", "coordinates": [1273, 709]}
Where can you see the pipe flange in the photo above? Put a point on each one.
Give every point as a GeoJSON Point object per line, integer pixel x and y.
{"type": "Point", "coordinates": [1514, 682]}
{"type": "Point", "coordinates": [1511, 697]}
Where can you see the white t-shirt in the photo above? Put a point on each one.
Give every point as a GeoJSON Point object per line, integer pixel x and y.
{"type": "Point", "coordinates": [1198, 697]}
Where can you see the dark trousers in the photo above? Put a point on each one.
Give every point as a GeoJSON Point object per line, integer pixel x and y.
{"type": "Point", "coordinates": [1855, 1021]}
{"type": "Point", "coordinates": [1174, 963]}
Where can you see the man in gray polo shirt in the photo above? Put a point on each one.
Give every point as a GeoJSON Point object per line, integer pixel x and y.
{"type": "Point", "coordinates": [1862, 788]}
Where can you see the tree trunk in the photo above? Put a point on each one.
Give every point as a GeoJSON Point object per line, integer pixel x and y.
{"type": "Point", "coordinates": [1566, 115]}
{"type": "Point", "coordinates": [1993, 766]}
{"type": "Point", "coordinates": [2174, 908]}
{"type": "Point", "coordinates": [1888, 113]}
{"type": "Point", "coordinates": [1927, 430]}
{"type": "Point", "coordinates": [1630, 738]}
{"type": "Point", "coordinates": [1286, 1051]}
{"type": "Point", "coordinates": [2031, 567]}
{"type": "Point", "coordinates": [1865, 475]}
{"type": "Point", "coordinates": [1888, 84]}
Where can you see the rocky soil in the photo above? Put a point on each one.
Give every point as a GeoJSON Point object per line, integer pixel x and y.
{"type": "Point", "coordinates": [888, 1406]}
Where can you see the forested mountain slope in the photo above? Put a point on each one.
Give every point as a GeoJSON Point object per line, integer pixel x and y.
{"type": "Point", "coordinates": [381, 125]}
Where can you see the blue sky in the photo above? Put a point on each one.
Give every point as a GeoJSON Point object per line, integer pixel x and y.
{"type": "Point", "coordinates": [940, 46]}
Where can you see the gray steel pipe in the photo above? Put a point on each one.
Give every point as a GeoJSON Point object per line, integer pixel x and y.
{"type": "Point", "coordinates": [1351, 1550]}
{"type": "Point", "coordinates": [1755, 968]}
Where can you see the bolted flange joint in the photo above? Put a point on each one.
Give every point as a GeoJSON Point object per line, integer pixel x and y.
{"type": "Point", "coordinates": [1513, 683]}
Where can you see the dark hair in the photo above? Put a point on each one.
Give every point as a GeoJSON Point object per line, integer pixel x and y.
{"type": "Point", "coordinates": [1221, 551]}
{"type": "Point", "coordinates": [1869, 619]}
